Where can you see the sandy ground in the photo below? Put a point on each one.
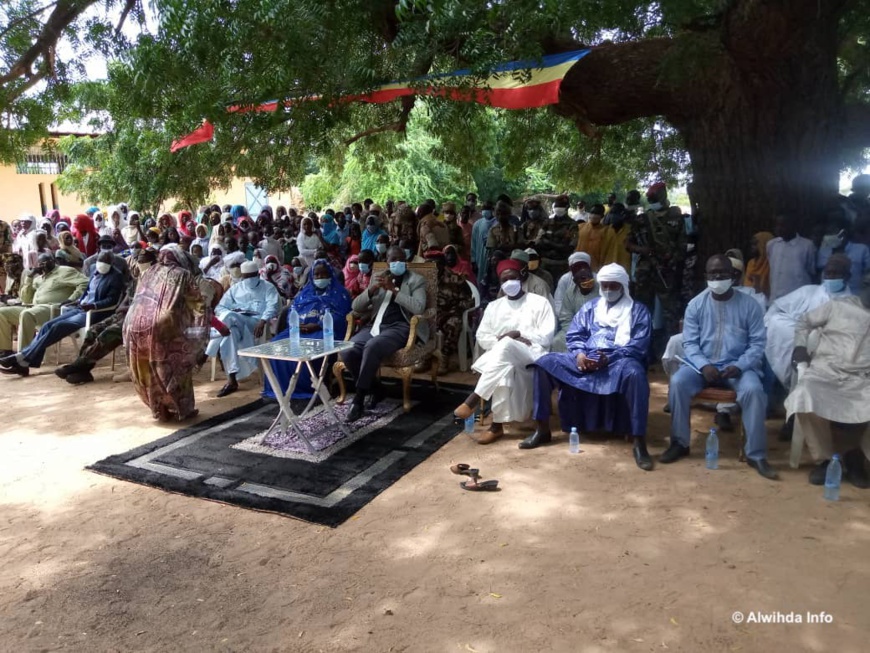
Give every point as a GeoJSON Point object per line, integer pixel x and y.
{"type": "Point", "coordinates": [577, 553]}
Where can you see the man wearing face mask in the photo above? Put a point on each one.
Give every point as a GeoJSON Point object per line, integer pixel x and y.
{"type": "Point", "coordinates": [106, 336]}
{"type": "Point", "coordinates": [792, 258]}
{"type": "Point", "coordinates": [515, 331]}
{"type": "Point", "coordinates": [381, 246]}
{"type": "Point", "coordinates": [536, 269]}
{"type": "Point", "coordinates": [602, 379]}
{"type": "Point", "coordinates": [46, 287]}
{"type": "Point", "coordinates": [558, 240]}
{"type": "Point", "coordinates": [783, 315]}
{"type": "Point", "coordinates": [724, 339]}
{"type": "Point", "coordinates": [479, 236]}
{"type": "Point", "coordinates": [391, 300]}
{"type": "Point", "coordinates": [584, 288]}
{"type": "Point", "coordinates": [531, 283]}
{"type": "Point", "coordinates": [245, 309]}
{"type": "Point", "coordinates": [838, 240]}
{"type": "Point", "coordinates": [107, 244]}
{"type": "Point", "coordinates": [102, 295]}
{"type": "Point", "coordinates": [833, 383]}
{"type": "Point", "coordinates": [615, 234]}
{"type": "Point", "coordinates": [503, 236]}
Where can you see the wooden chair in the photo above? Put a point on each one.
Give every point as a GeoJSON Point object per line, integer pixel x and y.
{"type": "Point", "coordinates": [723, 396]}
{"type": "Point", "coordinates": [404, 360]}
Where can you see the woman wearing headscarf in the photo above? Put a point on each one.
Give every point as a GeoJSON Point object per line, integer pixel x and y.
{"type": "Point", "coordinates": [53, 216]}
{"type": "Point", "coordinates": [165, 221]}
{"type": "Point", "coordinates": [328, 230]}
{"type": "Point", "coordinates": [116, 218]}
{"type": "Point", "coordinates": [758, 269]}
{"type": "Point", "coordinates": [132, 233]}
{"type": "Point", "coordinates": [68, 250]}
{"type": "Point", "coordinates": [457, 264]}
{"type": "Point", "coordinates": [86, 235]}
{"type": "Point", "coordinates": [354, 240]}
{"type": "Point", "coordinates": [46, 225]}
{"type": "Point", "coordinates": [351, 271]}
{"type": "Point", "coordinates": [200, 237]}
{"type": "Point", "coordinates": [322, 293]}
{"type": "Point", "coordinates": [308, 241]}
{"type": "Point", "coordinates": [238, 212]}
{"type": "Point", "coordinates": [186, 224]}
{"type": "Point", "coordinates": [101, 225]}
{"type": "Point", "coordinates": [279, 276]}
{"type": "Point", "coordinates": [165, 331]}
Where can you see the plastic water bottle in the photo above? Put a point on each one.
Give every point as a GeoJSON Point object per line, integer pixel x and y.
{"type": "Point", "coordinates": [574, 440]}
{"type": "Point", "coordinates": [293, 323]}
{"type": "Point", "coordinates": [832, 479]}
{"type": "Point", "coordinates": [712, 452]}
{"type": "Point", "coordinates": [469, 423]}
{"type": "Point", "coordinates": [328, 333]}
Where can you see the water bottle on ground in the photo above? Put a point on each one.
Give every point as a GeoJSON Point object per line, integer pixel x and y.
{"type": "Point", "coordinates": [574, 440]}
{"type": "Point", "coordinates": [469, 423]}
{"type": "Point", "coordinates": [293, 324]}
{"type": "Point", "coordinates": [832, 479]}
{"type": "Point", "coordinates": [712, 452]}
{"type": "Point", "coordinates": [328, 333]}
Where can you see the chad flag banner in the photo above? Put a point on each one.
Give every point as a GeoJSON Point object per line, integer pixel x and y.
{"type": "Point", "coordinates": [512, 85]}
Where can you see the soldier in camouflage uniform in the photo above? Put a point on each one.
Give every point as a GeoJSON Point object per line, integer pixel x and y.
{"type": "Point", "coordinates": [558, 240]}
{"type": "Point", "coordinates": [658, 237]}
{"type": "Point", "coordinates": [454, 298]}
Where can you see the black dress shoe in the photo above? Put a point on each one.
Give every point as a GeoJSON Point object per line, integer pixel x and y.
{"type": "Point", "coordinates": [818, 473]}
{"type": "Point", "coordinates": [78, 378]}
{"type": "Point", "coordinates": [64, 371]}
{"type": "Point", "coordinates": [15, 368]}
{"type": "Point", "coordinates": [673, 453]}
{"type": "Point", "coordinates": [8, 361]}
{"type": "Point", "coordinates": [535, 440]}
{"type": "Point", "coordinates": [763, 467]}
{"type": "Point", "coordinates": [377, 396]}
{"type": "Point", "coordinates": [854, 470]}
{"type": "Point", "coordinates": [642, 457]}
{"type": "Point", "coordinates": [228, 389]}
{"type": "Point", "coordinates": [356, 411]}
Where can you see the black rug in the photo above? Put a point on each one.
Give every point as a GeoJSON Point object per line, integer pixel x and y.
{"type": "Point", "coordinates": [225, 458]}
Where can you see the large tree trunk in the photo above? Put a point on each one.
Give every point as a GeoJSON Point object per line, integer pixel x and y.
{"type": "Point", "coordinates": [757, 104]}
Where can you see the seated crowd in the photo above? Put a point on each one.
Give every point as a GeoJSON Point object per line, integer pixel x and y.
{"type": "Point", "coordinates": [578, 302]}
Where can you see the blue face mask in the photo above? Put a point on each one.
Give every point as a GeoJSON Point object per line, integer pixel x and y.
{"type": "Point", "coordinates": [371, 228]}
{"type": "Point", "coordinates": [834, 285]}
{"type": "Point", "coordinates": [365, 268]}
{"type": "Point", "coordinates": [487, 214]}
{"type": "Point", "coordinates": [398, 268]}
{"type": "Point", "coordinates": [321, 283]}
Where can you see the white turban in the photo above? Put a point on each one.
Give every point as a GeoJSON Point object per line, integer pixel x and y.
{"type": "Point", "coordinates": [617, 315]}
{"type": "Point", "coordinates": [249, 267]}
{"type": "Point", "coordinates": [579, 257]}
{"type": "Point", "coordinates": [614, 272]}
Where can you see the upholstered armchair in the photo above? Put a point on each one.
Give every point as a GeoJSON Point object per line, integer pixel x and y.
{"type": "Point", "coordinates": [404, 360]}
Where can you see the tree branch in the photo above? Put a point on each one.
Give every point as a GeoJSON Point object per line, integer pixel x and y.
{"type": "Point", "coordinates": [21, 19]}
{"type": "Point", "coordinates": [64, 14]}
{"type": "Point", "coordinates": [128, 7]}
{"type": "Point", "coordinates": [399, 126]}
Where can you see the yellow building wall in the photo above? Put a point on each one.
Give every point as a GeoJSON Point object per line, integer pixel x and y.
{"type": "Point", "coordinates": [20, 194]}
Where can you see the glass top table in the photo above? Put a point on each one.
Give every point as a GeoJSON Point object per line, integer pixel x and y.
{"type": "Point", "coordinates": [308, 350]}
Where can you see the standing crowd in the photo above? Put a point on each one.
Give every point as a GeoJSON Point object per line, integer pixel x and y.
{"type": "Point", "coordinates": [570, 299]}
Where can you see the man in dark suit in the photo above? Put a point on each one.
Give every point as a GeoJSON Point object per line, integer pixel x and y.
{"type": "Point", "coordinates": [392, 299]}
{"type": "Point", "coordinates": [102, 296]}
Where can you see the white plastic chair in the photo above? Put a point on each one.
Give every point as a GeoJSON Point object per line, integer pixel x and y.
{"type": "Point", "coordinates": [52, 314]}
{"type": "Point", "coordinates": [267, 335]}
{"type": "Point", "coordinates": [79, 336]}
{"type": "Point", "coordinates": [466, 336]}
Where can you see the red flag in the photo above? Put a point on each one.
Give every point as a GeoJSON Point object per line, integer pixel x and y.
{"type": "Point", "coordinates": [201, 135]}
